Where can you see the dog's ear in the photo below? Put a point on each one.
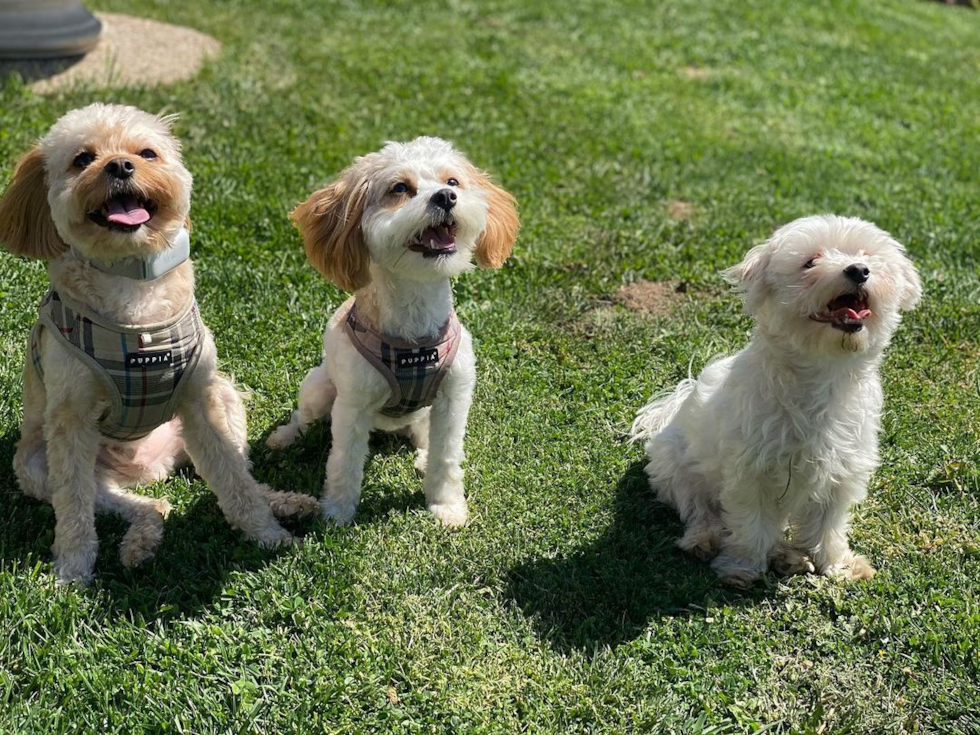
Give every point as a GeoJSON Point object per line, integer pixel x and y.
{"type": "Point", "coordinates": [912, 286]}
{"type": "Point", "coordinates": [26, 227]}
{"type": "Point", "coordinates": [330, 222]}
{"type": "Point", "coordinates": [750, 276]}
{"type": "Point", "coordinates": [497, 241]}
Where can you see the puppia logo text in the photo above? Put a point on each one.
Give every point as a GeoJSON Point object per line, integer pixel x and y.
{"type": "Point", "coordinates": [418, 359]}
{"type": "Point", "coordinates": [149, 359]}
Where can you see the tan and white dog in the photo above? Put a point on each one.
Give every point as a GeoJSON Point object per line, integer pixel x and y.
{"type": "Point", "coordinates": [396, 227]}
{"type": "Point", "coordinates": [105, 198]}
{"type": "Point", "coordinates": [785, 433]}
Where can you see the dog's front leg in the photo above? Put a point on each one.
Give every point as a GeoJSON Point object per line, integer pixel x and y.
{"type": "Point", "coordinates": [72, 438]}
{"type": "Point", "coordinates": [215, 448]}
{"type": "Point", "coordinates": [444, 493]}
{"type": "Point", "coordinates": [754, 524]}
{"type": "Point", "coordinates": [350, 425]}
{"type": "Point", "coordinates": [823, 533]}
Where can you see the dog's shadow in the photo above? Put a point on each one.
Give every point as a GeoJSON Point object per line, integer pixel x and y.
{"type": "Point", "coordinates": [301, 467]}
{"type": "Point", "coordinates": [190, 569]}
{"type": "Point", "coordinates": [608, 592]}
{"type": "Point", "coordinates": [199, 550]}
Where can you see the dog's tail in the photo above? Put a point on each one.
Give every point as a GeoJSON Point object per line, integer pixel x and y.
{"type": "Point", "coordinates": [661, 409]}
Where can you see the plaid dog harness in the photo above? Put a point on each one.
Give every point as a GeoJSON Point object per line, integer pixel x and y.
{"type": "Point", "coordinates": [143, 368]}
{"type": "Point", "coordinates": [414, 370]}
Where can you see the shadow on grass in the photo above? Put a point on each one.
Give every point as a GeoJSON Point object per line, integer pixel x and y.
{"type": "Point", "coordinates": [199, 549]}
{"type": "Point", "coordinates": [198, 552]}
{"type": "Point", "coordinates": [302, 467]}
{"type": "Point", "coordinates": [33, 70]}
{"type": "Point", "coordinates": [607, 593]}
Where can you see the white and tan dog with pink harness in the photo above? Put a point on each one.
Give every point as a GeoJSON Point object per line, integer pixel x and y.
{"type": "Point", "coordinates": [396, 227]}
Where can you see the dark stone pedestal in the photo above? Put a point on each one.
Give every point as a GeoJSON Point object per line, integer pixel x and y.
{"type": "Point", "coordinates": [46, 29]}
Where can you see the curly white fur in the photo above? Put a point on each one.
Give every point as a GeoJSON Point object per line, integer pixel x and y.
{"type": "Point", "coordinates": [359, 232]}
{"type": "Point", "coordinates": [61, 457]}
{"type": "Point", "coordinates": [784, 433]}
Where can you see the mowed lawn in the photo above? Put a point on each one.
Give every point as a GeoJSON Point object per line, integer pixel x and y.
{"type": "Point", "coordinates": [644, 141]}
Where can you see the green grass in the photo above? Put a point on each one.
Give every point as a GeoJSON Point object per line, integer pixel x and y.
{"type": "Point", "coordinates": [564, 605]}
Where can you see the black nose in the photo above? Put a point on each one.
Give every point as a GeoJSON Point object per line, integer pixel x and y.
{"type": "Point", "coordinates": [120, 168]}
{"type": "Point", "coordinates": [857, 272]}
{"type": "Point", "coordinates": [444, 199]}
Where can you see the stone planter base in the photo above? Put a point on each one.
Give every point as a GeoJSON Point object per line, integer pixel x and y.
{"type": "Point", "coordinates": [46, 29]}
{"type": "Point", "coordinates": [132, 52]}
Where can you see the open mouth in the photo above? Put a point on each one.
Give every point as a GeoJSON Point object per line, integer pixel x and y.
{"type": "Point", "coordinates": [124, 212]}
{"type": "Point", "coordinates": [435, 241]}
{"type": "Point", "coordinates": [847, 312]}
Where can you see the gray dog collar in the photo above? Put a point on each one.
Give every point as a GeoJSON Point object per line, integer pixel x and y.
{"type": "Point", "coordinates": [146, 267]}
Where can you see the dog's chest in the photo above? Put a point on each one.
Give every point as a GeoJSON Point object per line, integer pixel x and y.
{"type": "Point", "coordinates": [822, 449]}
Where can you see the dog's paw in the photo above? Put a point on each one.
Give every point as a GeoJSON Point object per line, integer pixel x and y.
{"type": "Point", "coordinates": [737, 572]}
{"type": "Point", "coordinates": [851, 569]}
{"type": "Point", "coordinates": [75, 568]}
{"type": "Point", "coordinates": [142, 540]}
{"type": "Point", "coordinates": [453, 515]}
{"type": "Point", "coordinates": [421, 460]}
{"type": "Point", "coordinates": [701, 542]}
{"type": "Point", "coordinates": [787, 560]}
{"type": "Point", "coordinates": [285, 504]}
{"type": "Point", "coordinates": [162, 507]}
{"type": "Point", "coordinates": [272, 536]}
{"type": "Point", "coordinates": [282, 437]}
{"type": "Point", "coordinates": [340, 512]}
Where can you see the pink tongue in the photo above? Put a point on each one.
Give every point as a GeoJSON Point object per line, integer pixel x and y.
{"type": "Point", "coordinates": [851, 314]}
{"type": "Point", "coordinates": [125, 211]}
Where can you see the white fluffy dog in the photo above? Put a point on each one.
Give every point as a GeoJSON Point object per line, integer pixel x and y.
{"type": "Point", "coordinates": [121, 381]}
{"type": "Point", "coordinates": [784, 433]}
{"type": "Point", "coordinates": [395, 227]}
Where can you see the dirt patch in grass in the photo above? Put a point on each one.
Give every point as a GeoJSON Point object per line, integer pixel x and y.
{"type": "Point", "coordinates": [652, 298]}
{"type": "Point", "coordinates": [645, 298]}
{"type": "Point", "coordinates": [680, 210]}
{"type": "Point", "coordinates": [694, 72]}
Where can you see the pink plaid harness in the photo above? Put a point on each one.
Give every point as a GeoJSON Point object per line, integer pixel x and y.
{"type": "Point", "coordinates": [143, 368]}
{"type": "Point", "coordinates": [414, 370]}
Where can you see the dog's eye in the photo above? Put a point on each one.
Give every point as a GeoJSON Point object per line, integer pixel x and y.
{"type": "Point", "coordinates": [810, 263]}
{"type": "Point", "coordinates": [452, 182]}
{"type": "Point", "coordinates": [148, 153]}
{"type": "Point", "coordinates": [83, 159]}
{"type": "Point", "coordinates": [400, 188]}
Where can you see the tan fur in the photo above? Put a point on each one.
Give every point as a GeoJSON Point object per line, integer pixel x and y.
{"type": "Point", "coordinates": [62, 458]}
{"type": "Point", "coordinates": [497, 241]}
{"type": "Point", "coordinates": [153, 183]}
{"type": "Point", "coordinates": [150, 181]}
{"type": "Point", "coordinates": [26, 227]}
{"type": "Point", "coordinates": [330, 222]}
